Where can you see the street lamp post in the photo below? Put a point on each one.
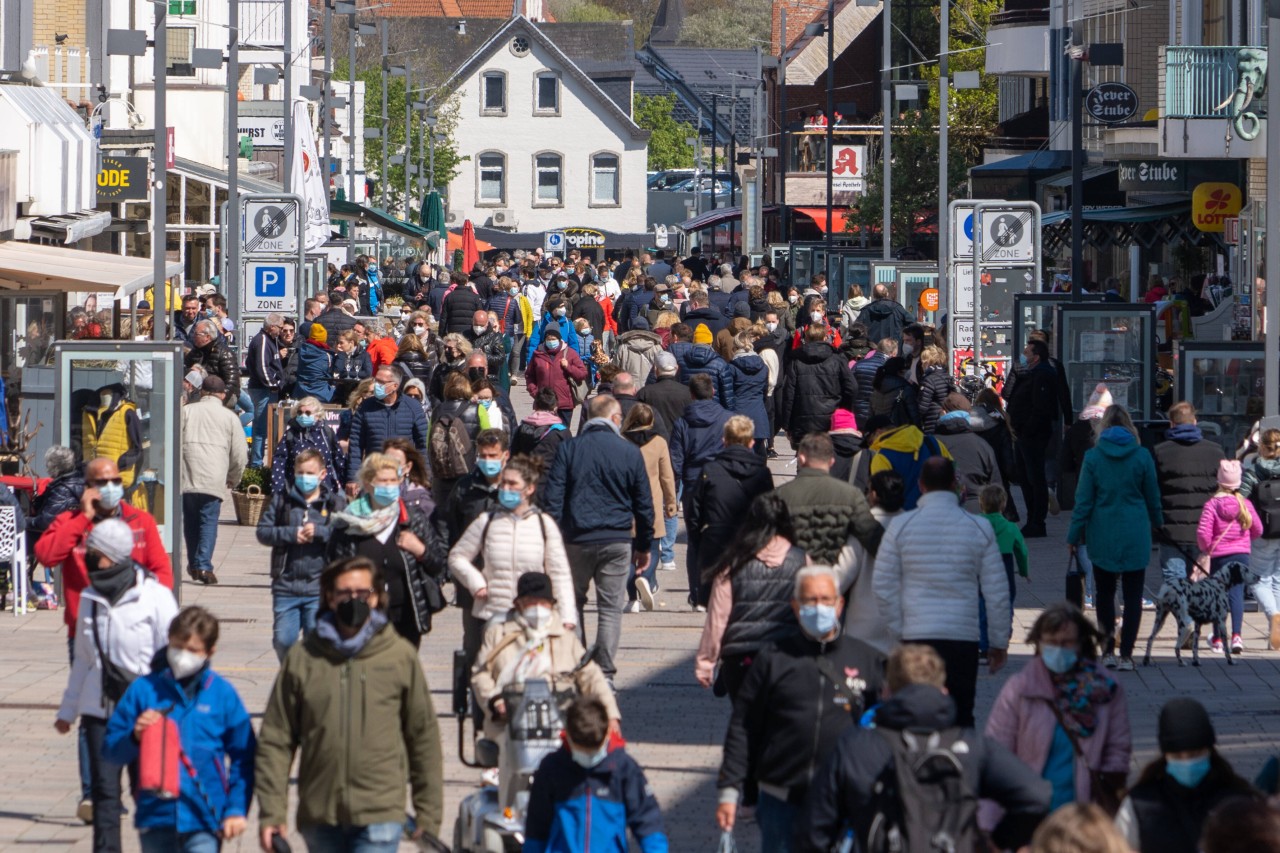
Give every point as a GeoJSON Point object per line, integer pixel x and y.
{"type": "Point", "coordinates": [886, 133]}
{"type": "Point", "coordinates": [944, 97]}
{"type": "Point", "coordinates": [159, 203]}
{"type": "Point", "coordinates": [287, 181]}
{"type": "Point", "coordinates": [831, 120]}
{"type": "Point", "coordinates": [231, 282]}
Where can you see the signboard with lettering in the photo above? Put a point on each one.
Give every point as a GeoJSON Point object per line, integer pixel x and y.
{"type": "Point", "coordinates": [1111, 103]}
{"type": "Point", "coordinates": [848, 168]}
{"type": "Point", "coordinates": [270, 286]}
{"type": "Point", "coordinates": [123, 179]}
{"type": "Point", "coordinates": [584, 238]}
{"type": "Point", "coordinates": [1213, 203]}
{"type": "Point", "coordinates": [1008, 237]}
{"type": "Point", "coordinates": [1175, 176]}
{"type": "Point", "coordinates": [263, 131]}
{"type": "Point", "coordinates": [270, 226]}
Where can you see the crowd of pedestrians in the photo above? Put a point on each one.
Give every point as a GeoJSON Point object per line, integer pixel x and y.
{"type": "Point", "coordinates": [848, 610]}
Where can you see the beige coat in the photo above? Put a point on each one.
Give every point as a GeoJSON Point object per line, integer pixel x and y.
{"type": "Point", "coordinates": [662, 481]}
{"type": "Point", "coordinates": [511, 546]}
{"type": "Point", "coordinates": [214, 451]}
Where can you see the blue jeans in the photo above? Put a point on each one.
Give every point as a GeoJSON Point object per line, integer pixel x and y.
{"type": "Point", "coordinates": [293, 614]}
{"type": "Point", "coordinates": [669, 537]}
{"type": "Point", "coordinates": [86, 781]}
{"type": "Point", "coordinates": [1235, 594]}
{"type": "Point", "coordinates": [261, 398]}
{"type": "Point", "coordinates": [374, 838]}
{"type": "Point", "coordinates": [982, 603]}
{"type": "Point", "coordinates": [244, 408]}
{"type": "Point", "coordinates": [650, 574]}
{"type": "Point", "coordinates": [1266, 562]}
{"type": "Point", "coordinates": [775, 818]}
{"type": "Point", "coordinates": [166, 839]}
{"type": "Point", "coordinates": [200, 529]}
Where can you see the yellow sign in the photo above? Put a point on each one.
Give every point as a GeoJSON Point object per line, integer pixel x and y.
{"type": "Point", "coordinates": [1214, 203]}
{"type": "Point", "coordinates": [123, 179]}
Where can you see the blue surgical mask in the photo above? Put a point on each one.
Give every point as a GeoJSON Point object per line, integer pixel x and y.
{"type": "Point", "coordinates": [384, 495]}
{"type": "Point", "coordinates": [590, 759]}
{"type": "Point", "coordinates": [560, 312]}
{"type": "Point", "coordinates": [489, 467]}
{"type": "Point", "coordinates": [306, 421]}
{"type": "Point", "coordinates": [818, 620]}
{"type": "Point", "coordinates": [509, 498]}
{"type": "Point", "coordinates": [110, 495]}
{"type": "Point", "coordinates": [1058, 659]}
{"type": "Point", "coordinates": [488, 404]}
{"type": "Point", "coordinates": [380, 391]}
{"type": "Point", "coordinates": [306, 483]}
{"type": "Point", "coordinates": [1188, 772]}
{"type": "Point", "coordinates": [553, 344]}
{"type": "Point", "coordinates": [1022, 361]}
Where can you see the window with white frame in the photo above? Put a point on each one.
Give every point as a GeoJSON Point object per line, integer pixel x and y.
{"type": "Point", "coordinates": [180, 43]}
{"type": "Point", "coordinates": [547, 179]}
{"type": "Point", "coordinates": [493, 93]}
{"type": "Point", "coordinates": [493, 178]}
{"type": "Point", "coordinates": [547, 93]}
{"type": "Point", "coordinates": [604, 179]}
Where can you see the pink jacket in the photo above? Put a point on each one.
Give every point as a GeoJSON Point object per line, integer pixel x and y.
{"type": "Point", "coordinates": [1023, 721]}
{"type": "Point", "coordinates": [1220, 531]}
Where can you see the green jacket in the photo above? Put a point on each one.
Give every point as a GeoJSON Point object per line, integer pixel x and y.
{"type": "Point", "coordinates": [1117, 503]}
{"type": "Point", "coordinates": [826, 512]}
{"type": "Point", "coordinates": [1009, 538]}
{"type": "Point", "coordinates": [365, 726]}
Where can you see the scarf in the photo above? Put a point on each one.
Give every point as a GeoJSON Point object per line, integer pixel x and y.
{"type": "Point", "coordinates": [113, 581]}
{"type": "Point", "coordinates": [1092, 413]}
{"type": "Point", "coordinates": [540, 419]}
{"type": "Point", "coordinates": [349, 647]}
{"type": "Point", "coordinates": [1118, 435]}
{"type": "Point", "coordinates": [534, 660]}
{"type": "Point", "coordinates": [1077, 694]}
{"type": "Point", "coordinates": [1184, 432]}
{"type": "Point", "coordinates": [363, 519]}
{"type": "Point", "coordinates": [607, 422]}
{"type": "Point", "coordinates": [639, 437]}
{"type": "Point", "coordinates": [957, 415]}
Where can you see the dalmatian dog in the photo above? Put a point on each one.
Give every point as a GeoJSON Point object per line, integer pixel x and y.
{"type": "Point", "coordinates": [1193, 605]}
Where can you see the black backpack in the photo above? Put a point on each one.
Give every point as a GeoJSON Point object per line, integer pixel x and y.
{"type": "Point", "coordinates": [923, 803]}
{"type": "Point", "coordinates": [1266, 498]}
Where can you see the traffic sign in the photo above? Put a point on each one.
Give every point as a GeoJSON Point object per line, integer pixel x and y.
{"type": "Point", "coordinates": [1008, 237]}
{"type": "Point", "coordinates": [270, 286]}
{"type": "Point", "coordinates": [962, 276]}
{"type": "Point", "coordinates": [270, 226]}
{"type": "Point", "coordinates": [553, 242]}
{"type": "Point", "coordinates": [962, 230]}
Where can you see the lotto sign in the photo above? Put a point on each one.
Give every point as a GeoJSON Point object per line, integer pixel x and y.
{"type": "Point", "coordinates": [553, 242]}
{"type": "Point", "coordinates": [848, 167]}
{"type": "Point", "coordinates": [1212, 204]}
{"type": "Point", "coordinates": [1008, 237]}
{"type": "Point", "coordinates": [271, 226]}
{"type": "Point", "coordinates": [270, 286]}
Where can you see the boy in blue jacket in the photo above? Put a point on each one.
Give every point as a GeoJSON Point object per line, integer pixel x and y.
{"type": "Point", "coordinates": [587, 794]}
{"type": "Point", "coordinates": [217, 742]}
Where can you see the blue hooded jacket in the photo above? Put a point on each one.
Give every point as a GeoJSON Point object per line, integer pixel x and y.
{"type": "Point", "coordinates": [567, 334]}
{"type": "Point", "coordinates": [217, 739]}
{"type": "Point", "coordinates": [697, 438]}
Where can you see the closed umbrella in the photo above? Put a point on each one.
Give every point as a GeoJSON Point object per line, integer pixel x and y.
{"type": "Point", "coordinates": [470, 254]}
{"type": "Point", "coordinates": [433, 216]}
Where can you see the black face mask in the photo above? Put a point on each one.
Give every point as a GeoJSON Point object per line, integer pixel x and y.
{"type": "Point", "coordinates": [352, 613]}
{"type": "Point", "coordinates": [474, 373]}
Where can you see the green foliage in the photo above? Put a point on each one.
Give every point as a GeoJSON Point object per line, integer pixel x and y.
{"type": "Point", "coordinates": [667, 146]}
{"type": "Point", "coordinates": [260, 477]}
{"type": "Point", "coordinates": [727, 25]}
{"type": "Point", "coordinates": [582, 12]}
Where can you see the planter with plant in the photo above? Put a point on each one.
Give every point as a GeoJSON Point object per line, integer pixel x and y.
{"type": "Point", "coordinates": [251, 495]}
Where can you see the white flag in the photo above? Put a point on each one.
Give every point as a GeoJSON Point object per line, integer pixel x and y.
{"type": "Point", "coordinates": [307, 180]}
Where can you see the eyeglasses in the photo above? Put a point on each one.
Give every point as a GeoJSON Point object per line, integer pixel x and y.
{"type": "Point", "coordinates": [828, 600]}
{"type": "Point", "coordinates": [115, 481]}
{"type": "Point", "coordinates": [348, 594]}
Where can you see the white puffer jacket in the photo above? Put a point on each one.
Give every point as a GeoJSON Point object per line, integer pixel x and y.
{"type": "Point", "coordinates": [132, 631]}
{"type": "Point", "coordinates": [931, 564]}
{"type": "Point", "coordinates": [513, 545]}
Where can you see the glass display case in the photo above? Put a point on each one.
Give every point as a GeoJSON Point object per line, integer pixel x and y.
{"type": "Point", "coordinates": [1112, 343]}
{"type": "Point", "coordinates": [1224, 381]}
{"type": "Point", "coordinates": [1034, 312]}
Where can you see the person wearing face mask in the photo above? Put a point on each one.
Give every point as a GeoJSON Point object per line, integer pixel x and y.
{"type": "Point", "coordinates": [123, 621]}
{"type": "Point", "coordinates": [782, 728]}
{"type": "Point", "coordinates": [1064, 715]}
{"type": "Point", "coordinates": [554, 317]}
{"type": "Point", "coordinates": [400, 541]}
{"type": "Point", "coordinates": [485, 338]}
{"type": "Point", "coordinates": [112, 428]}
{"type": "Point", "coordinates": [350, 365]}
{"type": "Point", "coordinates": [415, 359]}
{"type": "Point", "coordinates": [306, 430]}
{"type": "Point", "coordinates": [354, 659]}
{"type": "Point", "coordinates": [216, 733]}
{"type": "Point", "coordinates": [556, 365]}
{"type": "Point", "coordinates": [384, 415]}
{"type": "Point", "coordinates": [213, 458]}
{"type": "Point", "coordinates": [297, 524]}
{"type": "Point", "coordinates": [1166, 809]}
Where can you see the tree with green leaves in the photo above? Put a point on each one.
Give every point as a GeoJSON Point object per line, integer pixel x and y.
{"type": "Point", "coordinates": [667, 146]}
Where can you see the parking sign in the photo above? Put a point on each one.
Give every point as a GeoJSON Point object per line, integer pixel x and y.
{"type": "Point", "coordinates": [270, 286]}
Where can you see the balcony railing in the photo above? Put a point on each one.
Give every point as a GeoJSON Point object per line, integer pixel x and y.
{"type": "Point", "coordinates": [1200, 81]}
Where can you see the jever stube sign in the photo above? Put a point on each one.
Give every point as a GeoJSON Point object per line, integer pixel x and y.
{"type": "Point", "coordinates": [1111, 103]}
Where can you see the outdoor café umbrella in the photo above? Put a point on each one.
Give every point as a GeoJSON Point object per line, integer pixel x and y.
{"type": "Point", "coordinates": [470, 254]}
{"type": "Point", "coordinates": [432, 217]}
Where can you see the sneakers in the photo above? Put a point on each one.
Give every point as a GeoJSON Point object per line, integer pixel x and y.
{"type": "Point", "coordinates": [1275, 631]}
{"type": "Point", "coordinates": [1215, 645]}
{"type": "Point", "coordinates": [645, 592]}
{"type": "Point", "coordinates": [1054, 509]}
{"type": "Point", "coordinates": [632, 606]}
{"type": "Point", "coordinates": [1125, 665]}
{"type": "Point", "coordinates": [698, 608]}
{"type": "Point", "coordinates": [1237, 644]}
{"type": "Point", "coordinates": [1148, 604]}
{"type": "Point", "coordinates": [1109, 661]}
{"type": "Point", "coordinates": [667, 567]}
{"type": "Point", "coordinates": [84, 811]}
{"type": "Point", "coordinates": [1088, 602]}
{"type": "Point", "coordinates": [1033, 532]}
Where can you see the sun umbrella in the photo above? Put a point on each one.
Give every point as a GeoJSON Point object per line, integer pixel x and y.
{"type": "Point", "coordinates": [455, 243]}
{"type": "Point", "coordinates": [470, 254]}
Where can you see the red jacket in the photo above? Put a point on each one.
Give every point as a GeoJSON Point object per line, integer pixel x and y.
{"type": "Point", "coordinates": [63, 543]}
{"type": "Point", "coordinates": [382, 351]}
{"type": "Point", "coordinates": [544, 370]}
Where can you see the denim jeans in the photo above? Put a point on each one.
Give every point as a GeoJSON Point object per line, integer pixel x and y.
{"type": "Point", "coordinates": [983, 645]}
{"type": "Point", "coordinates": [650, 573]}
{"type": "Point", "coordinates": [107, 806]}
{"type": "Point", "coordinates": [261, 398]}
{"type": "Point", "coordinates": [294, 614]}
{"type": "Point", "coordinates": [244, 408]}
{"type": "Point", "coordinates": [82, 742]}
{"type": "Point", "coordinates": [200, 529]}
{"type": "Point", "coordinates": [166, 839]}
{"type": "Point", "coordinates": [1235, 593]}
{"type": "Point", "coordinates": [1265, 561]}
{"type": "Point", "coordinates": [668, 552]}
{"type": "Point", "coordinates": [775, 818]}
{"type": "Point", "coordinates": [1086, 565]}
{"type": "Point", "coordinates": [374, 838]}
{"type": "Point", "coordinates": [609, 566]}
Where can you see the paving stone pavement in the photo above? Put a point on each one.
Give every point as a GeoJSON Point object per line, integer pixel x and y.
{"type": "Point", "coordinates": [674, 727]}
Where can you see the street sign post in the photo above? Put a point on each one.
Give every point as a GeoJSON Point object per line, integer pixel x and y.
{"type": "Point", "coordinates": [1005, 235]}
{"type": "Point", "coordinates": [272, 254]}
{"type": "Point", "coordinates": [270, 286]}
{"type": "Point", "coordinates": [553, 242]}
{"type": "Point", "coordinates": [270, 225]}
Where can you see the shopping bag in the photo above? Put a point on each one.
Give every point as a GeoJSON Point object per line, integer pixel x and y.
{"type": "Point", "coordinates": [1075, 581]}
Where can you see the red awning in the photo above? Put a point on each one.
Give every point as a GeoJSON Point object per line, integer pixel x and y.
{"type": "Point", "coordinates": [819, 217]}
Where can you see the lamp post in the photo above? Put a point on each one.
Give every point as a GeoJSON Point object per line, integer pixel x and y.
{"type": "Point", "coordinates": [1077, 164]}
{"type": "Point", "coordinates": [231, 280]}
{"type": "Point", "coordinates": [160, 147]}
{"type": "Point", "coordinates": [1271, 327]}
{"type": "Point", "coordinates": [327, 96]}
{"type": "Point", "coordinates": [287, 182]}
{"type": "Point", "coordinates": [886, 132]}
{"type": "Point", "coordinates": [944, 97]}
{"type": "Point", "coordinates": [831, 119]}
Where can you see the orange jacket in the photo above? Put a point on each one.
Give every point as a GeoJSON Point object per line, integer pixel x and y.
{"type": "Point", "coordinates": [382, 351]}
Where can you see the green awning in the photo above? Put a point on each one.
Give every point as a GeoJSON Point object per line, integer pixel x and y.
{"type": "Point", "coordinates": [340, 210]}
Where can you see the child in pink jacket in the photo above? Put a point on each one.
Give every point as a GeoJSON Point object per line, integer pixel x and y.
{"type": "Point", "coordinates": [1226, 533]}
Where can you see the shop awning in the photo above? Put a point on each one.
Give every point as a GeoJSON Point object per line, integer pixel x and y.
{"type": "Point", "coordinates": [69, 227]}
{"type": "Point", "coordinates": [1063, 179]}
{"type": "Point", "coordinates": [723, 215]}
{"type": "Point", "coordinates": [1023, 164]}
{"type": "Point", "coordinates": [29, 266]}
{"type": "Point", "coordinates": [347, 211]}
{"type": "Point", "coordinates": [819, 217]}
{"type": "Point", "coordinates": [245, 183]}
{"type": "Point", "coordinates": [1133, 215]}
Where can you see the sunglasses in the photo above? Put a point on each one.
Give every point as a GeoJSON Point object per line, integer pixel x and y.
{"type": "Point", "coordinates": [348, 594]}
{"type": "Point", "coordinates": [115, 481]}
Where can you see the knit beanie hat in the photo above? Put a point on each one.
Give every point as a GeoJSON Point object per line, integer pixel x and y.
{"type": "Point", "coordinates": [640, 324]}
{"type": "Point", "coordinates": [112, 539]}
{"type": "Point", "coordinates": [702, 334]}
{"type": "Point", "coordinates": [1185, 726]}
{"type": "Point", "coordinates": [1101, 396]}
{"type": "Point", "coordinates": [843, 419]}
{"type": "Point", "coordinates": [318, 334]}
{"type": "Point", "coordinates": [1229, 473]}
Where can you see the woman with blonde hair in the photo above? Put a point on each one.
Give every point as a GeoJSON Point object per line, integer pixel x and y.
{"type": "Point", "coordinates": [1078, 828]}
{"type": "Point", "coordinates": [362, 392]}
{"type": "Point", "coordinates": [1228, 526]}
{"type": "Point", "coordinates": [935, 385]}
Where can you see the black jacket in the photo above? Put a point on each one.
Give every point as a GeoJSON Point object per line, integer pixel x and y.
{"type": "Point", "coordinates": [1033, 404]}
{"type": "Point", "coordinates": [975, 461]}
{"type": "Point", "coordinates": [709, 316]}
{"type": "Point", "coordinates": [726, 487]}
{"type": "Point", "coordinates": [472, 496]}
{"type": "Point", "coordinates": [594, 314]}
{"type": "Point", "coordinates": [864, 374]}
{"type": "Point", "coordinates": [490, 343]}
{"type": "Point", "coordinates": [701, 358]}
{"type": "Point", "coordinates": [1187, 472]}
{"type": "Point", "coordinates": [335, 321]}
{"type": "Point", "coordinates": [817, 383]}
{"type": "Point", "coordinates": [668, 397]}
{"type": "Point", "coordinates": [1078, 440]}
{"type": "Point", "coordinates": [761, 613]}
{"type": "Point", "coordinates": [355, 365]}
{"type": "Point", "coordinates": [843, 794]}
{"type": "Point", "coordinates": [262, 362]}
{"type": "Point", "coordinates": [540, 440]}
{"type": "Point", "coordinates": [1171, 816]}
{"type": "Point", "coordinates": [459, 309]}
{"type": "Point", "coordinates": [885, 318]}
{"type": "Point", "coordinates": [826, 512]}
{"type": "Point", "coordinates": [992, 428]}
{"type": "Point", "coordinates": [935, 385]}
{"type": "Point", "coordinates": [435, 301]}
{"type": "Point", "coordinates": [62, 494]}
{"type": "Point", "coordinates": [219, 360]}
{"type": "Point", "coordinates": [598, 490]}
{"type": "Point", "coordinates": [788, 715]}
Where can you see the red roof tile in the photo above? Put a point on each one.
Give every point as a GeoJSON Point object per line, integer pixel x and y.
{"type": "Point", "coordinates": [500, 9]}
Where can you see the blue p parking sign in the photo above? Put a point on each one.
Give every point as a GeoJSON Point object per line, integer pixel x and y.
{"type": "Point", "coordinates": [269, 285]}
{"type": "Point", "coordinates": [269, 282]}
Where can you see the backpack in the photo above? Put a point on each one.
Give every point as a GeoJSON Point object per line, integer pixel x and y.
{"type": "Point", "coordinates": [449, 448]}
{"type": "Point", "coordinates": [899, 414]}
{"type": "Point", "coordinates": [922, 802]}
{"type": "Point", "coordinates": [908, 464]}
{"type": "Point", "coordinates": [1266, 499]}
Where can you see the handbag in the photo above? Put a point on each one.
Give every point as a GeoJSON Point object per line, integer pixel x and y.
{"type": "Point", "coordinates": [1075, 582]}
{"type": "Point", "coordinates": [115, 679]}
{"type": "Point", "coordinates": [1106, 788]}
{"type": "Point", "coordinates": [1200, 568]}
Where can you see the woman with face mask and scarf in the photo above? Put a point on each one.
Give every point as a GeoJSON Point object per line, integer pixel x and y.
{"type": "Point", "coordinates": [1064, 715]}
{"type": "Point", "coordinates": [399, 540]}
{"type": "Point", "coordinates": [124, 620]}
